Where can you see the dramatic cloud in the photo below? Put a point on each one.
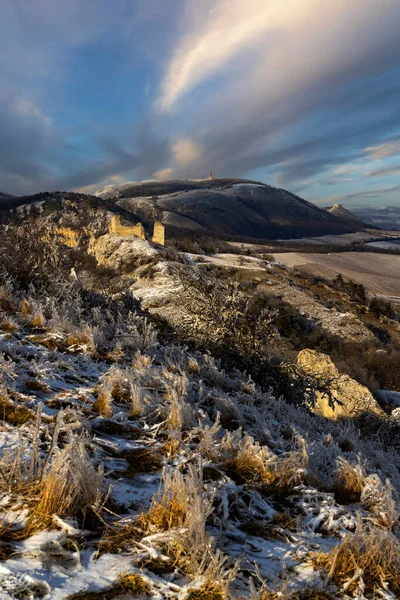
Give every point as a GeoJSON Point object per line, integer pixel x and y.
{"type": "Point", "coordinates": [302, 60]}
{"type": "Point", "coordinates": [299, 93]}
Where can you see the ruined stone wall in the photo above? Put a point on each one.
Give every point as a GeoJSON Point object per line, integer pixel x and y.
{"type": "Point", "coordinates": [117, 229]}
{"type": "Point", "coordinates": [159, 233]}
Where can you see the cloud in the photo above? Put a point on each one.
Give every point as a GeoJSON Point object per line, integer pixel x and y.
{"type": "Point", "coordinates": [374, 193]}
{"type": "Point", "coordinates": [383, 150]}
{"type": "Point", "coordinates": [164, 173]}
{"type": "Point", "coordinates": [394, 170]}
{"type": "Point", "coordinates": [282, 77]}
{"type": "Point", "coordinates": [288, 90]}
{"type": "Point", "coordinates": [221, 30]}
{"type": "Point", "coordinates": [186, 151]}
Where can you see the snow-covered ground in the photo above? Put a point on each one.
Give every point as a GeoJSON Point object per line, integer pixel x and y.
{"type": "Point", "coordinates": [267, 470]}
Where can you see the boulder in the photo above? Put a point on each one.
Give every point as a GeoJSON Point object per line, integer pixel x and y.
{"type": "Point", "coordinates": [353, 399]}
{"type": "Point", "coordinates": [120, 252]}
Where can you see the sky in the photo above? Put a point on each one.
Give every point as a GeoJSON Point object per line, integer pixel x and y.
{"type": "Point", "coordinates": [300, 94]}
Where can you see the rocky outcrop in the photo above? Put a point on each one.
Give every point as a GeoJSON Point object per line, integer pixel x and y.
{"type": "Point", "coordinates": [119, 252]}
{"type": "Point", "coordinates": [352, 398]}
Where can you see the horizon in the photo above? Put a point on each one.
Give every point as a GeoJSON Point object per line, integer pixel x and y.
{"type": "Point", "coordinates": [292, 93]}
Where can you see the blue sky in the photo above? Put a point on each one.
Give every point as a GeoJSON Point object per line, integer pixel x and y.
{"type": "Point", "coordinates": [301, 94]}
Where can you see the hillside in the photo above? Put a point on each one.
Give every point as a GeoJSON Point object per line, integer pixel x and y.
{"type": "Point", "coordinates": [134, 466]}
{"type": "Point", "coordinates": [338, 210]}
{"type": "Point", "coordinates": [226, 207]}
{"type": "Point", "coordinates": [188, 426]}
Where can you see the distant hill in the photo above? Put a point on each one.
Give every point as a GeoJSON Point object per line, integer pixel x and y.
{"type": "Point", "coordinates": [227, 207]}
{"type": "Point", "coordinates": [338, 210]}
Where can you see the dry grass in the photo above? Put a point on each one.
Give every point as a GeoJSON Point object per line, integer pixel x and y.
{"type": "Point", "coordinates": [81, 337]}
{"type": "Point", "coordinates": [9, 325]}
{"type": "Point", "coordinates": [71, 486]}
{"type": "Point", "coordinates": [141, 362]}
{"type": "Point", "coordinates": [129, 585]}
{"type": "Point", "coordinates": [348, 482]}
{"type": "Point", "coordinates": [369, 558]}
{"type": "Point", "coordinates": [138, 400]}
{"type": "Point", "coordinates": [143, 460]}
{"type": "Point", "coordinates": [249, 462]}
{"type": "Point", "coordinates": [193, 367]}
{"type": "Point", "coordinates": [169, 507]}
{"type": "Point", "coordinates": [181, 415]}
{"type": "Point", "coordinates": [12, 413]}
{"type": "Point", "coordinates": [7, 301]}
{"type": "Point", "coordinates": [37, 320]}
{"type": "Point", "coordinates": [35, 385]}
{"type": "Point", "coordinates": [178, 511]}
{"type": "Point", "coordinates": [209, 591]}
{"type": "Point", "coordinates": [103, 403]}
{"type": "Point", "coordinates": [378, 499]}
{"type": "Point", "coordinates": [26, 307]}
{"type": "Point", "coordinates": [256, 464]}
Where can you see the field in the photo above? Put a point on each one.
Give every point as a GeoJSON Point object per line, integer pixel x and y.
{"type": "Point", "coordinates": [379, 273]}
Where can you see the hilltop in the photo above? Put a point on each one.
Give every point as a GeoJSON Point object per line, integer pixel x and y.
{"type": "Point", "coordinates": [227, 207]}
{"type": "Point", "coordinates": [338, 210]}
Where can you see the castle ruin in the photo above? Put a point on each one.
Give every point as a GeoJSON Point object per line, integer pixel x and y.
{"type": "Point", "coordinates": [116, 228]}
{"type": "Point", "coordinates": [158, 233]}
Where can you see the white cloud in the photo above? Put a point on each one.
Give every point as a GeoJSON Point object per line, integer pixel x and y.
{"type": "Point", "coordinates": [280, 62]}
{"type": "Point", "coordinates": [383, 150]}
{"type": "Point", "coordinates": [185, 152]}
{"type": "Point", "coordinates": [163, 173]}
{"type": "Point", "coordinates": [222, 32]}
{"type": "Point", "coordinates": [297, 37]}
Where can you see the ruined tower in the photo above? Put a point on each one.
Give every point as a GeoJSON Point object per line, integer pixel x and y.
{"type": "Point", "coordinates": [117, 228]}
{"type": "Point", "coordinates": [159, 233]}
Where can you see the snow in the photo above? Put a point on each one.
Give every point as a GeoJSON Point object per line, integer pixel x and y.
{"type": "Point", "coordinates": [63, 559]}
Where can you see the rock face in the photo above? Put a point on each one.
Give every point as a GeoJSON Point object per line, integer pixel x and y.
{"type": "Point", "coordinates": [119, 252]}
{"type": "Point", "coordinates": [355, 399]}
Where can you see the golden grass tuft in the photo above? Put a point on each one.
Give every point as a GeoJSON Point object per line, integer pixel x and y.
{"type": "Point", "coordinates": [103, 403]}
{"type": "Point", "coordinates": [141, 362]}
{"type": "Point", "coordinates": [12, 413]}
{"type": "Point", "coordinates": [348, 482]}
{"type": "Point", "coordinates": [134, 584]}
{"type": "Point", "coordinates": [70, 487]}
{"type": "Point", "coordinates": [138, 401]}
{"type": "Point", "coordinates": [368, 556]}
{"type": "Point", "coordinates": [82, 336]}
{"type": "Point", "coordinates": [209, 591]}
{"type": "Point", "coordinates": [168, 507]}
{"type": "Point", "coordinates": [256, 464]}
{"type": "Point", "coordinates": [193, 367]}
{"type": "Point", "coordinates": [26, 307]}
{"type": "Point", "coordinates": [128, 584]}
{"type": "Point", "coordinates": [9, 325]}
{"type": "Point", "coordinates": [37, 320]}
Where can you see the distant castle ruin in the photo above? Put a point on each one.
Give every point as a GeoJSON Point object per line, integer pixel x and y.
{"type": "Point", "coordinates": [116, 228]}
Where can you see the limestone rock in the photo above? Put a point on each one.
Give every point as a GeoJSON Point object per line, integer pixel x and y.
{"type": "Point", "coordinates": [355, 399]}
{"type": "Point", "coordinates": [118, 252]}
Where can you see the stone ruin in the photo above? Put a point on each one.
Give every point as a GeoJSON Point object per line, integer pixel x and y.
{"type": "Point", "coordinates": [116, 228]}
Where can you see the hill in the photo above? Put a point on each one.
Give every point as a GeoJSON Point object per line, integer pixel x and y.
{"type": "Point", "coordinates": [344, 214]}
{"type": "Point", "coordinates": [227, 207]}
